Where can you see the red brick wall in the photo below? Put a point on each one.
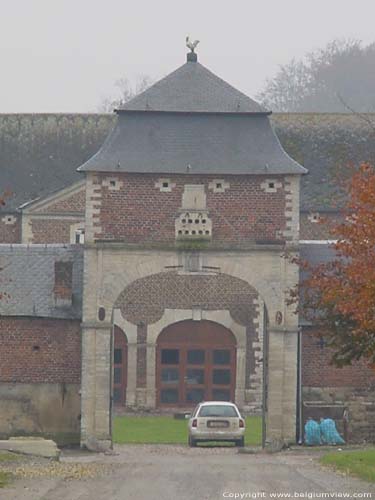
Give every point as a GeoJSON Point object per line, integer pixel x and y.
{"type": "Point", "coordinates": [51, 230]}
{"type": "Point", "coordinates": [73, 203]}
{"type": "Point", "coordinates": [40, 350]}
{"type": "Point", "coordinates": [318, 230]}
{"type": "Point", "coordinates": [317, 371]}
{"type": "Point", "coordinates": [139, 212]}
{"type": "Point", "coordinates": [10, 233]}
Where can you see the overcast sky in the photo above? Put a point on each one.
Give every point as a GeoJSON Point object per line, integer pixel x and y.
{"type": "Point", "coordinates": [65, 55]}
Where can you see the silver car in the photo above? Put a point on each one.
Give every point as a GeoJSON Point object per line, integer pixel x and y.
{"type": "Point", "coordinates": [216, 421]}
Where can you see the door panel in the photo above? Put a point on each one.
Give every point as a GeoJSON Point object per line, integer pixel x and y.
{"type": "Point", "coordinates": [196, 361]}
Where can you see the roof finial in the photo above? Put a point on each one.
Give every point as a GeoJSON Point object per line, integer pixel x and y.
{"type": "Point", "coordinates": [191, 56]}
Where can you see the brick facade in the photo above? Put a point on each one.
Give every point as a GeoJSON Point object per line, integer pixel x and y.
{"type": "Point", "coordinates": [318, 225]}
{"type": "Point", "coordinates": [135, 209]}
{"type": "Point", "coordinates": [318, 372]}
{"type": "Point", "coordinates": [10, 228]}
{"type": "Point", "coordinates": [35, 350]}
{"type": "Point", "coordinates": [72, 203]}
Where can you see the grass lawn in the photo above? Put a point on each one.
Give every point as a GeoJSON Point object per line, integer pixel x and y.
{"type": "Point", "coordinates": [167, 430]}
{"type": "Point", "coordinates": [358, 463]}
{"type": "Point", "coordinates": [6, 457]}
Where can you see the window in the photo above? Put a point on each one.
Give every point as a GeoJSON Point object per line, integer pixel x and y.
{"type": "Point", "coordinates": [79, 236]}
{"type": "Point", "coordinates": [221, 377]}
{"type": "Point", "coordinates": [169, 376]}
{"type": "Point", "coordinates": [218, 411]}
{"type": "Point", "coordinates": [117, 356]}
{"type": "Point", "coordinates": [169, 396]}
{"type": "Point", "coordinates": [195, 357]}
{"type": "Point", "coordinates": [195, 377]}
{"type": "Point", "coordinates": [221, 357]}
{"type": "Point", "coordinates": [165, 184]}
{"type": "Point", "coordinates": [170, 356]}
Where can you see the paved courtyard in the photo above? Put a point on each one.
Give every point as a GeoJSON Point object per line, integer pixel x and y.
{"type": "Point", "coordinates": [177, 472]}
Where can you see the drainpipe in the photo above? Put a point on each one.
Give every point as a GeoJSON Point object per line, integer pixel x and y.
{"type": "Point", "coordinates": [299, 388]}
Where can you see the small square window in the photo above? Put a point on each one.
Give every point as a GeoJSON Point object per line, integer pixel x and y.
{"type": "Point", "coordinates": [219, 185]}
{"type": "Point", "coordinates": [165, 184]}
{"type": "Point", "coordinates": [170, 356]}
{"type": "Point", "coordinates": [271, 185]}
{"type": "Point", "coordinates": [112, 183]}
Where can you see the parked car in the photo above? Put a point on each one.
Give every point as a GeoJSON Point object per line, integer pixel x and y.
{"type": "Point", "coordinates": [216, 421]}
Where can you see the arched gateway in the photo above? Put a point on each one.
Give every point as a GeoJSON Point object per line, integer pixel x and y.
{"type": "Point", "coordinates": [180, 225]}
{"type": "Point", "coordinates": [196, 361]}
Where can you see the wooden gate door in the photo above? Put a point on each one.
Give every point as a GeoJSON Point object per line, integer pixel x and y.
{"type": "Point", "coordinates": [196, 361]}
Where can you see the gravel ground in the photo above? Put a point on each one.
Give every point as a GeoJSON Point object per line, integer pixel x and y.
{"type": "Point", "coordinates": [169, 472]}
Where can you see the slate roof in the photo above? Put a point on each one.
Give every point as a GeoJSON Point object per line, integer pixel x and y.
{"type": "Point", "coordinates": [28, 278]}
{"type": "Point", "coordinates": [192, 88]}
{"type": "Point", "coordinates": [167, 143]}
{"type": "Point", "coordinates": [39, 154]}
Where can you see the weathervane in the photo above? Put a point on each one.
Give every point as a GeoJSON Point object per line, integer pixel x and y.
{"type": "Point", "coordinates": [191, 45]}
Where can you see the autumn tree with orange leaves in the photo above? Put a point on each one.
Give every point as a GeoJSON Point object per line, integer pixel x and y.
{"type": "Point", "coordinates": [339, 295]}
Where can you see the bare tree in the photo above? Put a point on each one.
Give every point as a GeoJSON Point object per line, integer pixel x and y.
{"type": "Point", "coordinates": [126, 90]}
{"type": "Point", "coordinates": [323, 80]}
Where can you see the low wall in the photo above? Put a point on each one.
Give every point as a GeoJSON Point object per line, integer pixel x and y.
{"type": "Point", "coordinates": [50, 410]}
{"type": "Point", "coordinates": [319, 402]}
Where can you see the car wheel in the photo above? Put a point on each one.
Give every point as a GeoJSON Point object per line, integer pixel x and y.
{"type": "Point", "coordinates": [192, 442]}
{"type": "Point", "coordinates": [240, 442]}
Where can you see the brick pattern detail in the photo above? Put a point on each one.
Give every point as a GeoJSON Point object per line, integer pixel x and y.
{"type": "Point", "coordinates": [10, 233]}
{"type": "Point", "coordinates": [73, 203]}
{"type": "Point", "coordinates": [145, 299]}
{"type": "Point", "coordinates": [318, 372]}
{"type": "Point", "coordinates": [139, 213]}
{"type": "Point", "coordinates": [51, 230]}
{"type": "Point", "coordinates": [35, 350]}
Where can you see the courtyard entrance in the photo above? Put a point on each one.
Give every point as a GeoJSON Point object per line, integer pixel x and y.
{"type": "Point", "coordinates": [196, 361]}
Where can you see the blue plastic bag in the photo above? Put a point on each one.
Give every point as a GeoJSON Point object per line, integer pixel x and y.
{"type": "Point", "coordinates": [329, 432]}
{"type": "Point", "coordinates": [312, 433]}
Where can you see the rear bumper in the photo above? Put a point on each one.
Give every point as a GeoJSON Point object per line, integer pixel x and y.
{"type": "Point", "coordinates": [224, 435]}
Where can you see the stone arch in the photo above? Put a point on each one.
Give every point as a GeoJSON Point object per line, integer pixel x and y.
{"type": "Point", "coordinates": [145, 299]}
{"type": "Point", "coordinates": [151, 303]}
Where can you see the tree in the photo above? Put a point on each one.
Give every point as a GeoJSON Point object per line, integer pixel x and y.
{"type": "Point", "coordinates": [126, 91]}
{"type": "Point", "coordinates": [339, 295]}
{"type": "Point", "coordinates": [333, 79]}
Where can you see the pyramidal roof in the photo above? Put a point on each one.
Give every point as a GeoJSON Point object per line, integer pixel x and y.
{"type": "Point", "coordinates": [192, 88]}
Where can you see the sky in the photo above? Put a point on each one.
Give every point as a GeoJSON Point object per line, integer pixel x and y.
{"type": "Point", "coordinates": [66, 55]}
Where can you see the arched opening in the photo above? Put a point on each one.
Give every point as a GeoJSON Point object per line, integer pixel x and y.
{"type": "Point", "coordinates": [120, 366]}
{"type": "Point", "coordinates": [196, 361]}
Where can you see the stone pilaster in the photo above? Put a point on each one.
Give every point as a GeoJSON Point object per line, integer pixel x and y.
{"type": "Point", "coordinates": [96, 387]}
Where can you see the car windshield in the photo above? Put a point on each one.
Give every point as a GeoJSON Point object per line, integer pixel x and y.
{"type": "Point", "coordinates": [218, 411]}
